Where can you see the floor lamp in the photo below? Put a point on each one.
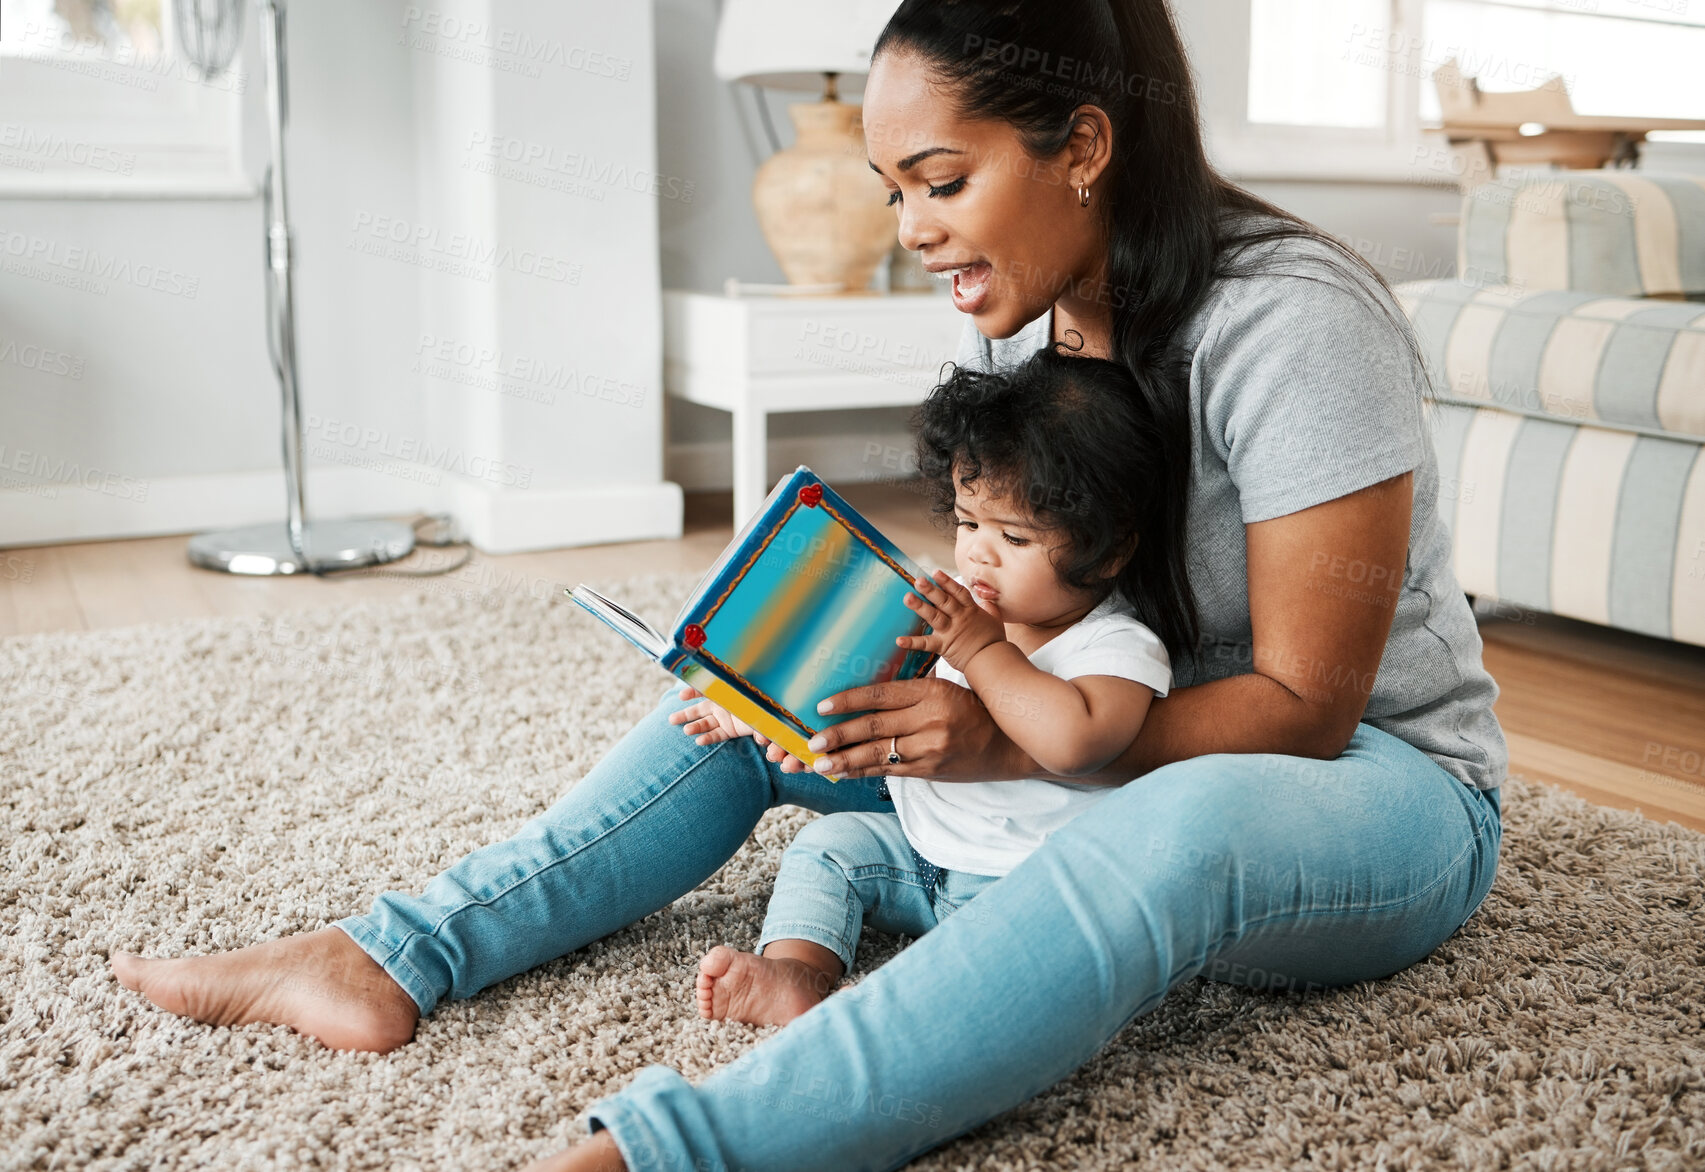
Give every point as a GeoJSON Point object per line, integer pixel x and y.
{"type": "Point", "coordinates": [295, 545]}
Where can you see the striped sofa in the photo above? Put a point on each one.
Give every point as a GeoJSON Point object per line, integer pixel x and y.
{"type": "Point", "coordinates": [1568, 406]}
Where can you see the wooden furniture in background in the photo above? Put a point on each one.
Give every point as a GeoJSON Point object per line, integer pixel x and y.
{"type": "Point", "coordinates": [752, 356]}
{"type": "Point", "coordinates": [1533, 128]}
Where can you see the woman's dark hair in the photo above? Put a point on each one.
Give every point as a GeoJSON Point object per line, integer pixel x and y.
{"type": "Point", "coordinates": [1092, 450]}
{"type": "Point", "coordinates": [1175, 224]}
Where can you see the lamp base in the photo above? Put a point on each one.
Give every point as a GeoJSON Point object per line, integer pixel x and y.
{"type": "Point", "coordinates": [329, 545]}
{"type": "Point", "coordinates": [820, 206]}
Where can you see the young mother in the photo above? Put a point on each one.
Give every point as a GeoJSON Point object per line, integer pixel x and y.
{"type": "Point", "coordinates": [1315, 803]}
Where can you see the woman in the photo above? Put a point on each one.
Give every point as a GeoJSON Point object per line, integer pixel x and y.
{"type": "Point", "coordinates": [1315, 803]}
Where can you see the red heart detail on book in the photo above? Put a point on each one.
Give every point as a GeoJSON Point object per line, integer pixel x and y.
{"type": "Point", "coordinates": [693, 636]}
{"type": "Point", "coordinates": [811, 495]}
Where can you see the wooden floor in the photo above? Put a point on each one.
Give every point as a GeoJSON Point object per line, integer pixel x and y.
{"type": "Point", "coordinates": [1614, 717]}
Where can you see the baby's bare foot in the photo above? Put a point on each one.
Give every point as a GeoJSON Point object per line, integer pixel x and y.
{"type": "Point", "coordinates": [321, 984]}
{"type": "Point", "coordinates": [760, 990]}
{"type": "Point", "coordinates": [598, 1154]}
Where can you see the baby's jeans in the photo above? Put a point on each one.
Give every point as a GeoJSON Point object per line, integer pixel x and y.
{"type": "Point", "coordinates": [846, 870]}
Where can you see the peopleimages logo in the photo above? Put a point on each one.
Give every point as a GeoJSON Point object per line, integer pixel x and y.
{"type": "Point", "coordinates": [36, 148]}
{"type": "Point", "coordinates": [41, 469]}
{"type": "Point", "coordinates": [1074, 72]}
{"type": "Point", "coordinates": [457, 253]}
{"type": "Point", "coordinates": [373, 442]}
{"type": "Point", "coordinates": [58, 46]}
{"type": "Point", "coordinates": [16, 568]}
{"type": "Point", "coordinates": [40, 358]}
{"type": "Point", "coordinates": [87, 269]}
{"type": "Point", "coordinates": [501, 47]}
{"type": "Point", "coordinates": [537, 379]}
{"type": "Point", "coordinates": [577, 174]}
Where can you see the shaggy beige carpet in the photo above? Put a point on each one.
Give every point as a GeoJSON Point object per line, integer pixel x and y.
{"type": "Point", "coordinates": [177, 789]}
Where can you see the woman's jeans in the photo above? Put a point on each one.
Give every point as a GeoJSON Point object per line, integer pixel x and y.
{"type": "Point", "coordinates": [850, 869]}
{"type": "Point", "coordinates": [1267, 871]}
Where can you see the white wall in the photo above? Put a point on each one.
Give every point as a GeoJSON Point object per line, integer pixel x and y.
{"type": "Point", "coordinates": [710, 130]}
{"type": "Point", "coordinates": [522, 393]}
{"type": "Point", "coordinates": [172, 410]}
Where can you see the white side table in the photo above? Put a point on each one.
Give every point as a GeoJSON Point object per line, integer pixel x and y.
{"type": "Point", "coordinates": [754, 355]}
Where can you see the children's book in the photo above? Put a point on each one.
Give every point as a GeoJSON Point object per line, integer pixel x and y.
{"type": "Point", "coordinates": [805, 602]}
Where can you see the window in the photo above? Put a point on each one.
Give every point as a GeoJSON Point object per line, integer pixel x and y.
{"type": "Point", "coordinates": [96, 99]}
{"type": "Point", "coordinates": [1301, 72]}
{"type": "Point", "coordinates": [1342, 88]}
{"type": "Point", "coordinates": [1285, 94]}
{"type": "Point", "coordinates": [127, 27]}
{"type": "Point", "coordinates": [1633, 57]}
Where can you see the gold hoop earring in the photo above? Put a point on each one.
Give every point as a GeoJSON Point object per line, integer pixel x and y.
{"type": "Point", "coordinates": [1083, 196]}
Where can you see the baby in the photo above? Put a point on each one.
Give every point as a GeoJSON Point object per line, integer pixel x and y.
{"type": "Point", "coordinates": [1066, 482]}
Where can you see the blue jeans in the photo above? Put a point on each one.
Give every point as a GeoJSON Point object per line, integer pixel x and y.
{"type": "Point", "coordinates": [1261, 870]}
{"type": "Point", "coordinates": [849, 869]}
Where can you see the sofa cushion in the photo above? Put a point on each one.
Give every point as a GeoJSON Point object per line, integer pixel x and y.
{"type": "Point", "coordinates": [1599, 525]}
{"type": "Point", "coordinates": [1577, 357]}
{"type": "Point", "coordinates": [1618, 233]}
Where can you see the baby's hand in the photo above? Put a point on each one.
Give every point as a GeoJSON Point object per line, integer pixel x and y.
{"type": "Point", "coordinates": [709, 723]}
{"type": "Point", "coordinates": [959, 627]}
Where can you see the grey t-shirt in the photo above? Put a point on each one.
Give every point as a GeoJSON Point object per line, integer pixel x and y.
{"type": "Point", "coordinates": [1302, 391]}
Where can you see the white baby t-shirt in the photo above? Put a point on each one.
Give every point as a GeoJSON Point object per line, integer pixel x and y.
{"type": "Point", "coordinates": [988, 827]}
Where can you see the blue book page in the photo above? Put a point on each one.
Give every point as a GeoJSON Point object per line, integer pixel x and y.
{"type": "Point", "coordinates": [812, 607]}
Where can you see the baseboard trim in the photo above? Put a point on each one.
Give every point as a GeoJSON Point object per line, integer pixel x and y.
{"type": "Point", "coordinates": [708, 465]}
{"type": "Point", "coordinates": [133, 507]}
{"type": "Point", "coordinates": [494, 519]}
{"type": "Point", "coordinates": [505, 521]}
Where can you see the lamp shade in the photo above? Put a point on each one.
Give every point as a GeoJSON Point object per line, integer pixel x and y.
{"type": "Point", "coordinates": [791, 44]}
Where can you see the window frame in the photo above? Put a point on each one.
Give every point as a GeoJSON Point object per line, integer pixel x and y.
{"type": "Point", "coordinates": [1400, 152]}
{"type": "Point", "coordinates": [1277, 151]}
{"type": "Point", "coordinates": [79, 124]}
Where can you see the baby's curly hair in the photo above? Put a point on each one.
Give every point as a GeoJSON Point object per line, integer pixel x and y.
{"type": "Point", "coordinates": [1089, 448]}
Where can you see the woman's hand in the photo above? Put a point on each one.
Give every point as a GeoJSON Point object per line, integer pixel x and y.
{"type": "Point", "coordinates": [710, 724]}
{"type": "Point", "coordinates": [941, 731]}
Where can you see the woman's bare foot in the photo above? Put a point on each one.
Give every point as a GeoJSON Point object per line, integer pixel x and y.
{"type": "Point", "coordinates": [320, 984]}
{"type": "Point", "coordinates": [761, 990]}
{"type": "Point", "coordinates": [598, 1154]}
